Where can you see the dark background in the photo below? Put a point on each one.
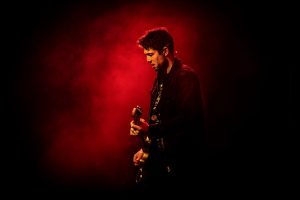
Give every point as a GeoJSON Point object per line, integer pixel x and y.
{"type": "Point", "coordinates": [249, 157]}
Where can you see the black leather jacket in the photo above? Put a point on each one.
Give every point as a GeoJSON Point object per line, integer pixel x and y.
{"type": "Point", "coordinates": [180, 118]}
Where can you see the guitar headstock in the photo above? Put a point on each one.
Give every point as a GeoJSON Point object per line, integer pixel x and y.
{"type": "Point", "coordinates": [137, 113]}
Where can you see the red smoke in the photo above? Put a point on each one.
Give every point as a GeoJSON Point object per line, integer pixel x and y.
{"type": "Point", "coordinates": [90, 74]}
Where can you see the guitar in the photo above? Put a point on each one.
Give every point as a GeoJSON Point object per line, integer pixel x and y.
{"type": "Point", "coordinates": [145, 141]}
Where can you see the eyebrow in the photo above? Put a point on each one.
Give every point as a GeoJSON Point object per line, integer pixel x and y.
{"type": "Point", "coordinates": [148, 54]}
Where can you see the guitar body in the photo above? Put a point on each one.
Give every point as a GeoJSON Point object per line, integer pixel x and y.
{"type": "Point", "coordinates": [141, 173]}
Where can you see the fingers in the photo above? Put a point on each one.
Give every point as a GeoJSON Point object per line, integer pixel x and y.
{"type": "Point", "coordinates": [136, 161]}
{"type": "Point", "coordinates": [132, 125]}
{"type": "Point", "coordinates": [134, 131]}
{"type": "Point", "coordinates": [137, 157]}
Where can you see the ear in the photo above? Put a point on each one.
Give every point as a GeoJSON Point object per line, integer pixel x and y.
{"type": "Point", "coordinates": [165, 51]}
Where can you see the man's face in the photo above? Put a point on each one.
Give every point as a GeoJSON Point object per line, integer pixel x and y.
{"type": "Point", "coordinates": [157, 61]}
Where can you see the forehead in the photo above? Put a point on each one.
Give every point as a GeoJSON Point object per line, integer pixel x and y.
{"type": "Point", "coordinates": [150, 50]}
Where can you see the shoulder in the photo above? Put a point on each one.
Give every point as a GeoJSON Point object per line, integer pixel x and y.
{"type": "Point", "coordinates": [187, 72]}
{"type": "Point", "coordinates": [183, 71]}
{"type": "Point", "coordinates": [187, 69]}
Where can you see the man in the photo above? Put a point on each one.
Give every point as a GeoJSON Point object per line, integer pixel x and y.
{"type": "Point", "coordinates": [173, 135]}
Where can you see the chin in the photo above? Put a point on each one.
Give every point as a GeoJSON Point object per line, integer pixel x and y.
{"type": "Point", "coordinates": [155, 68]}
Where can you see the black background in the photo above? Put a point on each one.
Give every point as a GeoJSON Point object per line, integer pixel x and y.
{"type": "Point", "coordinates": [269, 26]}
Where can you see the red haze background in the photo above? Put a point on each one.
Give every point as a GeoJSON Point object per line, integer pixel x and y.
{"type": "Point", "coordinates": [79, 73]}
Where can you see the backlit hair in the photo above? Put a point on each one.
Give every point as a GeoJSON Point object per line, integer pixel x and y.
{"type": "Point", "coordinates": [157, 39]}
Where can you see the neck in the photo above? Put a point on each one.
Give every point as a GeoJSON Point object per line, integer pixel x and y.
{"type": "Point", "coordinates": [170, 65]}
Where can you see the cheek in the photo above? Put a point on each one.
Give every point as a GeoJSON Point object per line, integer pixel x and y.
{"type": "Point", "coordinates": [154, 59]}
{"type": "Point", "coordinates": [160, 60]}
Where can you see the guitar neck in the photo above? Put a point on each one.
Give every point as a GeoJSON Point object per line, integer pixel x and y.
{"type": "Point", "coordinates": [136, 120]}
{"type": "Point", "coordinates": [136, 114]}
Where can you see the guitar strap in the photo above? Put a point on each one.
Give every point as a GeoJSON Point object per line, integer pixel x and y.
{"type": "Point", "coordinates": [156, 93]}
{"type": "Point", "coordinates": [154, 113]}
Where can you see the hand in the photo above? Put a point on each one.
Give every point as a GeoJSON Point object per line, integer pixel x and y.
{"type": "Point", "coordinates": [137, 157]}
{"type": "Point", "coordinates": [137, 129]}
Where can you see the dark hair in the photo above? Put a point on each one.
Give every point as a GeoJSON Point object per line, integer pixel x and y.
{"type": "Point", "coordinates": [157, 39]}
